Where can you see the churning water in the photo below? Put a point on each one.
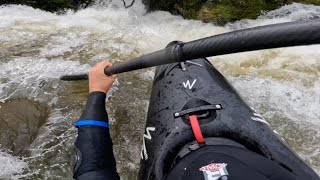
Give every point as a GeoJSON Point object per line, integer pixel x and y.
{"type": "Point", "coordinates": [37, 110]}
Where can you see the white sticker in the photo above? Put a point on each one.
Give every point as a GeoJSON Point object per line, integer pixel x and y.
{"type": "Point", "coordinates": [215, 171]}
{"type": "Point", "coordinates": [187, 84]}
{"type": "Point", "coordinates": [257, 117]}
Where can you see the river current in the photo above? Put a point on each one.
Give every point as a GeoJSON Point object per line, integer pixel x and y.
{"type": "Point", "coordinates": [37, 110]}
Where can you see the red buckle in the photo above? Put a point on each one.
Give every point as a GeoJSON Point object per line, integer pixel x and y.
{"type": "Point", "coordinates": [196, 129]}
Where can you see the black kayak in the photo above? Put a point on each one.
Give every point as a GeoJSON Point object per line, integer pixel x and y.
{"type": "Point", "coordinates": [193, 109]}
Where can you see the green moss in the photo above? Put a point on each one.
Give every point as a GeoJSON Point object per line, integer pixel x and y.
{"type": "Point", "coordinates": [231, 10]}
{"type": "Point", "coordinates": [189, 8]}
{"type": "Point", "coordinates": [315, 2]}
{"type": "Point", "coordinates": [220, 11]}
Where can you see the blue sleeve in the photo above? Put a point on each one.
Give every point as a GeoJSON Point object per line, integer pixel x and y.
{"type": "Point", "coordinates": [95, 159]}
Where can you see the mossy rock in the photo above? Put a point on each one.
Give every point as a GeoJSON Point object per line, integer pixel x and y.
{"type": "Point", "coordinates": [315, 2]}
{"type": "Point", "coordinates": [220, 11]}
{"type": "Point", "coordinates": [231, 10]}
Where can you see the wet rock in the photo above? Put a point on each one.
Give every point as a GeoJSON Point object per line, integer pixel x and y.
{"type": "Point", "coordinates": [220, 12]}
{"type": "Point", "coordinates": [127, 112]}
{"type": "Point", "coordinates": [20, 121]}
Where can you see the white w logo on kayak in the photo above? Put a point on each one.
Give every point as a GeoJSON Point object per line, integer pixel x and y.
{"type": "Point", "coordinates": [144, 152]}
{"type": "Point", "coordinates": [187, 84]}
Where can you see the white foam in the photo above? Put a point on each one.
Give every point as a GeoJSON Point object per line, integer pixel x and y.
{"type": "Point", "coordinates": [60, 44]}
{"type": "Point", "coordinates": [24, 77]}
{"type": "Point", "coordinates": [287, 13]}
{"type": "Point", "coordinates": [148, 75]}
{"type": "Point", "coordinates": [294, 11]}
{"type": "Point", "coordinates": [10, 165]}
{"type": "Point", "coordinates": [294, 101]}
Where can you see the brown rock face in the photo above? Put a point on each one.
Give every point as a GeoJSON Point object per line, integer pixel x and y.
{"type": "Point", "coordinates": [20, 121]}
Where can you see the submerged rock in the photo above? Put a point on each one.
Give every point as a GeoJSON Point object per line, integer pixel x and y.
{"type": "Point", "coordinates": [20, 121]}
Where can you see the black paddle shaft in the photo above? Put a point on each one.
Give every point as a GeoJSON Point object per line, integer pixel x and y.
{"type": "Point", "coordinates": [264, 37]}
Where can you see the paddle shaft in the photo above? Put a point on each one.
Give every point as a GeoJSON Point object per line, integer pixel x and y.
{"type": "Point", "coordinates": [264, 37]}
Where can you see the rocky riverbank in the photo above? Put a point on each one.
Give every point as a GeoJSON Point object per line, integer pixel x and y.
{"type": "Point", "coordinates": [220, 11]}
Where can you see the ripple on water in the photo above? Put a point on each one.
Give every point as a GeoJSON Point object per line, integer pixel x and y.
{"type": "Point", "coordinates": [295, 116]}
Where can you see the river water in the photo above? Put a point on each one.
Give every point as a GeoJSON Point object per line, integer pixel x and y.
{"type": "Point", "coordinates": [37, 110]}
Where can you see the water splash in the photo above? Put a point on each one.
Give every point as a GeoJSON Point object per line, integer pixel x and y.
{"type": "Point", "coordinates": [34, 78]}
{"type": "Point", "coordinates": [10, 165]}
{"type": "Point", "coordinates": [287, 13]}
{"type": "Point", "coordinates": [290, 108]}
{"type": "Point", "coordinates": [294, 11]}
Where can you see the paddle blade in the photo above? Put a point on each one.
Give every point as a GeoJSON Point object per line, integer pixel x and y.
{"type": "Point", "coordinates": [74, 77]}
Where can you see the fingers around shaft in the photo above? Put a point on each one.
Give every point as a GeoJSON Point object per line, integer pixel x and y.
{"type": "Point", "coordinates": [98, 81]}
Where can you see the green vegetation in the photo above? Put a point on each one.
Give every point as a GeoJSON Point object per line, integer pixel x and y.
{"type": "Point", "coordinates": [220, 11]}
{"type": "Point", "coordinates": [232, 10]}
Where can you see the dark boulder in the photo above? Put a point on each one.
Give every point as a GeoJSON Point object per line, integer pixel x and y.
{"type": "Point", "coordinates": [20, 121]}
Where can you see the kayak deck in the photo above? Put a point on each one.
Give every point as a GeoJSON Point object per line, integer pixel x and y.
{"type": "Point", "coordinates": [197, 88]}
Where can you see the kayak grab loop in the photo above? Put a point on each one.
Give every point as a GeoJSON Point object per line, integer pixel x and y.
{"type": "Point", "coordinates": [197, 109]}
{"type": "Point", "coordinates": [196, 129]}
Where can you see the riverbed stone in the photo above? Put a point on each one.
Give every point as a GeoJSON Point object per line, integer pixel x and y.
{"type": "Point", "coordinates": [20, 121]}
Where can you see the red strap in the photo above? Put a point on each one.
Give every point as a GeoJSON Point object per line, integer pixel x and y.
{"type": "Point", "coordinates": [196, 128]}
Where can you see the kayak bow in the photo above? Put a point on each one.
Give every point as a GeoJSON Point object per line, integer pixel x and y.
{"type": "Point", "coordinates": [183, 91]}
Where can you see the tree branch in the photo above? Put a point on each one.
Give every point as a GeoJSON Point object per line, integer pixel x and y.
{"type": "Point", "coordinates": [125, 4]}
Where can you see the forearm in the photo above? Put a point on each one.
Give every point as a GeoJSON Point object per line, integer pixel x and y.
{"type": "Point", "coordinates": [93, 143]}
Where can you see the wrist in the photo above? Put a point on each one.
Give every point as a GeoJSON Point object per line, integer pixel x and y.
{"type": "Point", "coordinates": [97, 97]}
{"type": "Point", "coordinates": [96, 93]}
{"type": "Point", "coordinates": [96, 90]}
{"type": "Point", "coordinates": [95, 109]}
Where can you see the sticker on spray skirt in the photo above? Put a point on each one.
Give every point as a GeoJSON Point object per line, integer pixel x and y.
{"type": "Point", "coordinates": [215, 171]}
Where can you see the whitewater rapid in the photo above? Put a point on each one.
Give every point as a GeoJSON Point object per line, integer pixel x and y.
{"type": "Point", "coordinates": [37, 47]}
